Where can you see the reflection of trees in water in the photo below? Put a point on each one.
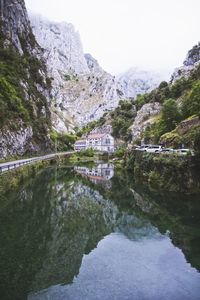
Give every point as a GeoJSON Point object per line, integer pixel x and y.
{"type": "Point", "coordinates": [180, 215]}
{"type": "Point", "coordinates": [50, 223]}
{"type": "Point", "coordinates": [23, 215]}
{"type": "Point", "coordinates": [47, 228]}
{"type": "Point", "coordinates": [172, 212]}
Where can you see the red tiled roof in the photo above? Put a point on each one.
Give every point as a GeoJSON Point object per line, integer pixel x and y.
{"type": "Point", "coordinates": [80, 141]}
{"type": "Point", "coordinates": [96, 135]}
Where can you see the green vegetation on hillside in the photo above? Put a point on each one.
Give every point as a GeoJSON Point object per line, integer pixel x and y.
{"type": "Point", "coordinates": [63, 142]}
{"type": "Point", "coordinates": [165, 172]}
{"type": "Point", "coordinates": [90, 126]}
{"type": "Point", "coordinates": [180, 101]}
{"type": "Point", "coordinates": [20, 100]}
{"type": "Point", "coordinates": [122, 118]}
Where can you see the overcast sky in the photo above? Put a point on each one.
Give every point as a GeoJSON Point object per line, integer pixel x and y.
{"type": "Point", "coordinates": [120, 34]}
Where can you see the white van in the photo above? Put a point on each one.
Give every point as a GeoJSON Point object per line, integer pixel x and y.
{"type": "Point", "coordinates": [142, 147]}
{"type": "Point", "coordinates": [154, 148]}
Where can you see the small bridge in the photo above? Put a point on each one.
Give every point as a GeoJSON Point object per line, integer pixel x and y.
{"type": "Point", "coordinates": [7, 166]}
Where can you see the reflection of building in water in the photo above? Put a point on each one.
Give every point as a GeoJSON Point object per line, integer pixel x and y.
{"type": "Point", "coordinates": [97, 174]}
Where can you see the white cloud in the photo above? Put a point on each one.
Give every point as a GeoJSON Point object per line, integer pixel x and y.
{"type": "Point", "coordinates": [121, 34]}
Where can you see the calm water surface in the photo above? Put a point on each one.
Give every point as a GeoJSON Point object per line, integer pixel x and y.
{"type": "Point", "coordinates": [90, 233]}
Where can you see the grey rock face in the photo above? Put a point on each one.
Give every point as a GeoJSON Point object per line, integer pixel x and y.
{"type": "Point", "coordinates": [15, 142]}
{"type": "Point", "coordinates": [145, 117]}
{"type": "Point", "coordinates": [82, 90]}
{"type": "Point", "coordinates": [92, 63]}
{"type": "Point", "coordinates": [193, 56]}
{"type": "Point", "coordinates": [189, 65]}
{"type": "Point", "coordinates": [16, 26]}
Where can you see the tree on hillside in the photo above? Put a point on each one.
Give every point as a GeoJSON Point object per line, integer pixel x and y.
{"type": "Point", "coordinates": [170, 114]}
{"type": "Point", "coordinates": [191, 104]}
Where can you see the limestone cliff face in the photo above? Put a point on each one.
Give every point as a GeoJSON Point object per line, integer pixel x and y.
{"type": "Point", "coordinates": [63, 48]}
{"type": "Point", "coordinates": [145, 117]}
{"type": "Point", "coordinates": [25, 88]}
{"type": "Point", "coordinates": [82, 90]}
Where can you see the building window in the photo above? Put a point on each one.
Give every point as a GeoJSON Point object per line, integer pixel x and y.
{"type": "Point", "coordinates": [107, 172]}
{"type": "Point", "coordinates": [107, 141]}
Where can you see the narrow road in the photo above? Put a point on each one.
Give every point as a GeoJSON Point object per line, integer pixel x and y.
{"type": "Point", "coordinates": [18, 163]}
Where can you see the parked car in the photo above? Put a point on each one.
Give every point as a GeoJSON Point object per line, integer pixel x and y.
{"type": "Point", "coordinates": [154, 149]}
{"type": "Point", "coordinates": [167, 150]}
{"type": "Point", "coordinates": [142, 147]}
{"type": "Point", "coordinates": [184, 151]}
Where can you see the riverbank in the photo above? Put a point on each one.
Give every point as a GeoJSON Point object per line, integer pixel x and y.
{"type": "Point", "coordinates": [166, 172]}
{"type": "Point", "coordinates": [10, 180]}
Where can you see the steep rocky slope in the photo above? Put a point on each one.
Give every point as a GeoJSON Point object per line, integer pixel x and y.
{"type": "Point", "coordinates": [82, 90]}
{"type": "Point", "coordinates": [24, 86]}
{"type": "Point", "coordinates": [144, 118]}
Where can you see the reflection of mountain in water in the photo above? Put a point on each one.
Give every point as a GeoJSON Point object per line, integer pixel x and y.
{"type": "Point", "coordinates": [58, 217]}
{"type": "Point", "coordinates": [98, 174]}
{"type": "Point", "coordinates": [136, 228]}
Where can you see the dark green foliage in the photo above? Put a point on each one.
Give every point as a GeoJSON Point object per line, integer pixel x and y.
{"type": "Point", "coordinates": [185, 89]}
{"type": "Point", "coordinates": [180, 86]}
{"type": "Point", "coordinates": [165, 172]}
{"type": "Point", "coordinates": [122, 118]}
{"type": "Point", "coordinates": [120, 152]}
{"type": "Point", "coordinates": [191, 103]}
{"type": "Point", "coordinates": [10, 104]}
{"type": "Point", "coordinates": [170, 114]}
{"type": "Point", "coordinates": [63, 142]}
{"type": "Point", "coordinates": [19, 98]}
{"type": "Point", "coordinates": [163, 84]}
{"type": "Point", "coordinates": [88, 152]}
{"type": "Point", "coordinates": [158, 95]}
{"type": "Point", "coordinates": [165, 91]}
{"type": "Point", "coordinates": [90, 126]}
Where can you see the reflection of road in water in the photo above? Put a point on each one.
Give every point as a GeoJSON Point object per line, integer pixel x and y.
{"type": "Point", "coordinates": [97, 174]}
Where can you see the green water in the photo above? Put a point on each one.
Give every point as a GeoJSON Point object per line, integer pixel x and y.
{"type": "Point", "coordinates": [81, 233]}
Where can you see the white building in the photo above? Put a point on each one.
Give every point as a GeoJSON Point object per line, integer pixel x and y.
{"type": "Point", "coordinates": [80, 145]}
{"type": "Point", "coordinates": [98, 141]}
